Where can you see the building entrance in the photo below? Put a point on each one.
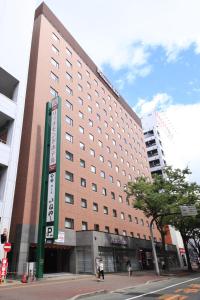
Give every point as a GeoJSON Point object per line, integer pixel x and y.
{"type": "Point", "coordinates": [57, 259]}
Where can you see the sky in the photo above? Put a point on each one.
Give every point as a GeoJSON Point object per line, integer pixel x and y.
{"type": "Point", "coordinates": [150, 51]}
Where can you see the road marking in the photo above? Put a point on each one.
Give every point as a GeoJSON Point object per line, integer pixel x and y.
{"type": "Point", "coordinates": [165, 288]}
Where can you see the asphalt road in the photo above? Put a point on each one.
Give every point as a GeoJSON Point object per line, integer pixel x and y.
{"type": "Point", "coordinates": [184, 288]}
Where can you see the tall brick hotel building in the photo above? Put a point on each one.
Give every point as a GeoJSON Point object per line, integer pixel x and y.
{"type": "Point", "coordinates": [102, 148]}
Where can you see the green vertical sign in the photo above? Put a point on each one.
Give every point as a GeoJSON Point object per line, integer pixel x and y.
{"type": "Point", "coordinates": [52, 135]}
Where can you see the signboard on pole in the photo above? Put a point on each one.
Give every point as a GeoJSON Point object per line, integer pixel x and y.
{"type": "Point", "coordinates": [7, 247]}
{"type": "Point", "coordinates": [53, 175]}
{"type": "Point", "coordinates": [187, 211]}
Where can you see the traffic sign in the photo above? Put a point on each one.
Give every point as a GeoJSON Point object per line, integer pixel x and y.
{"type": "Point", "coordinates": [187, 211]}
{"type": "Point", "coordinates": [7, 247]}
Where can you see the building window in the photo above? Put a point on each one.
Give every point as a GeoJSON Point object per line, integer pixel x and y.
{"type": "Point", "coordinates": [68, 64]}
{"type": "Point", "coordinates": [80, 88]}
{"type": "Point", "coordinates": [80, 101]}
{"type": "Point", "coordinates": [111, 178]}
{"type": "Point", "coordinates": [69, 105]}
{"type": "Point", "coordinates": [87, 73]}
{"type": "Point", "coordinates": [90, 109]}
{"type": "Point", "coordinates": [120, 199]}
{"type": "Point", "coordinates": [115, 155]}
{"type": "Point", "coordinates": [98, 117]}
{"type": "Point", "coordinates": [124, 233]}
{"type": "Point", "coordinates": [112, 195]}
{"type": "Point", "coordinates": [68, 76]}
{"type": "Point", "coordinates": [93, 169]}
{"type": "Point", "coordinates": [123, 172]}
{"type": "Point", "coordinates": [83, 203]}
{"type": "Point", "coordinates": [81, 129]}
{"type": "Point", "coordinates": [69, 176]}
{"type": "Point", "coordinates": [104, 191]}
{"type": "Point", "coordinates": [114, 213]}
{"type": "Point", "coordinates": [83, 182]}
{"type": "Point", "coordinates": [144, 236]}
{"type": "Point", "coordinates": [142, 222]}
{"type": "Point", "coordinates": [81, 115]}
{"type": "Point", "coordinates": [90, 122]}
{"type": "Point", "coordinates": [95, 206]}
{"type": "Point", "coordinates": [108, 149]}
{"type": "Point", "coordinates": [101, 158]}
{"type": "Point", "coordinates": [122, 216]}
{"type": "Point", "coordinates": [68, 90]}
{"type": "Point", "coordinates": [55, 37]}
{"type": "Point", "coordinates": [55, 63]}
{"type": "Point", "coordinates": [107, 229]}
{"type": "Point", "coordinates": [84, 226]}
{"type": "Point", "coordinates": [53, 92]}
{"type": "Point", "coordinates": [79, 63]}
{"type": "Point", "coordinates": [89, 97]}
{"type": "Point", "coordinates": [107, 136]}
{"type": "Point", "coordinates": [129, 218]}
{"type": "Point", "coordinates": [91, 137]}
{"type": "Point", "coordinates": [96, 227]}
{"type": "Point", "coordinates": [105, 210]}
{"type": "Point", "coordinates": [138, 235]}
{"type": "Point", "coordinates": [136, 220]}
{"type": "Point", "coordinates": [132, 234]}
{"type": "Point", "coordinates": [69, 137]}
{"type": "Point", "coordinates": [82, 146]}
{"type": "Point", "coordinates": [117, 169]}
{"type": "Point", "coordinates": [102, 174]}
{"type": "Point", "coordinates": [69, 155]}
{"type": "Point", "coordinates": [79, 75]}
{"type": "Point", "coordinates": [109, 163]}
{"type": "Point", "coordinates": [55, 50]}
{"type": "Point", "coordinates": [54, 77]}
{"type": "Point", "coordinates": [92, 152]}
{"type": "Point", "coordinates": [88, 85]}
{"type": "Point", "coordinates": [99, 130]}
{"type": "Point", "coordinates": [118, 183]}
{"type": "Point", "coordinates": [105, 124]}
{"type": "Point", "coordinates": [69, 198]}
{"type": "Point", "coordinates": [94, 187]}
{"type": "Point", "coordinates": [97, 104]}
{"type": "Point", "coordinates": [100, 143]}
{"type": "Point", "coordinates": [69, 223]}
{"type": "Point", "coordinates": [69, 121]}
{"type": "Point", "coordinates": [82, 163]}
{"type": "Point", "coordinates": [69, 52]}
{"type": "Point", "coordinates": [117, 231]}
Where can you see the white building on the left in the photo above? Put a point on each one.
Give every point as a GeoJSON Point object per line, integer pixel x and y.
{"type": "Point", "coordinates": [16, 23]}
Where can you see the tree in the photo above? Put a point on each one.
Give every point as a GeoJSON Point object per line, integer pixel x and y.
{"type": "Point", "coordinates": [152, 198]}
{"type": "Point", "coordinates": [161, 199]}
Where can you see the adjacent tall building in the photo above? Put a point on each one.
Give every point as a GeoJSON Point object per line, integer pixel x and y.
{"type": "Point", "coordinates": [14, 60]}
{"type": "Point", "coordinates": [160, 149]}
{"type": "Point", "coordinates": [102, 148]}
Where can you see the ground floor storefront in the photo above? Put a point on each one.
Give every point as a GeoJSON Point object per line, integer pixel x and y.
{"type": "Point", "coordinates": [78, 252]}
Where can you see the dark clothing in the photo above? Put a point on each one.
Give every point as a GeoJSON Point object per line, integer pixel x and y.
{"type": "Point", "coordinates": [101, 273]}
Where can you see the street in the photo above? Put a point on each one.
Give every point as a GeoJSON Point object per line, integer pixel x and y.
{"type": "Point", "coordinates": [144, 285]}
{"type": "Point", "coordinates": [169, 289]}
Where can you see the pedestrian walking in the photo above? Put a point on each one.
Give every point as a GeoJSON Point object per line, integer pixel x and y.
{"type": "Point", "coordinates": [129, 268]}
{"type": "Point", "coordinates": [100, 270]}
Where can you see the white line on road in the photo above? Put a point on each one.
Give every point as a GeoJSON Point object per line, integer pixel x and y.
{"type": "Point", "coordinates": [165, 288]}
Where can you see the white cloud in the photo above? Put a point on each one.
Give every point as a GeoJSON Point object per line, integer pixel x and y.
{"type": "Point", "coordinates": [121, 33]}
{"type": "Point", "coordinates": [184, 123]}
{"type": "Point", "coordinates": [159, 102]}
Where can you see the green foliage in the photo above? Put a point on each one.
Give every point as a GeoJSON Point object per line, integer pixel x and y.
{"type": "Point", "coordinates": [161, 198]}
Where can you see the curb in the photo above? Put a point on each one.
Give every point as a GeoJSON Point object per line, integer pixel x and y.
{"type": "Point", "coordinates": [88, 294]}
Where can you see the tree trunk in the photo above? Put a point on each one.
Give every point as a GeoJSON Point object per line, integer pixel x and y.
{"type": "Point", "coordinates": [187, 254]}
{"type": "Point", "coordinates": [164, 251]}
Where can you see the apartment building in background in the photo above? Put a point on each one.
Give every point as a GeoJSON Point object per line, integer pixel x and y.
{"type": "Point", "coordinates": [15, 34]}
{"type": "Point", "coordinates": [102, 148]}
{"type": "Point", "coordinates": [161, 151]}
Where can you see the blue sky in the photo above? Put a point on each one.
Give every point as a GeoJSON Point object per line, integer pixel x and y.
{"type": "Point", "coordinates": [179, 78]}
{"type": "Point", "coordinates": [150, 51]}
